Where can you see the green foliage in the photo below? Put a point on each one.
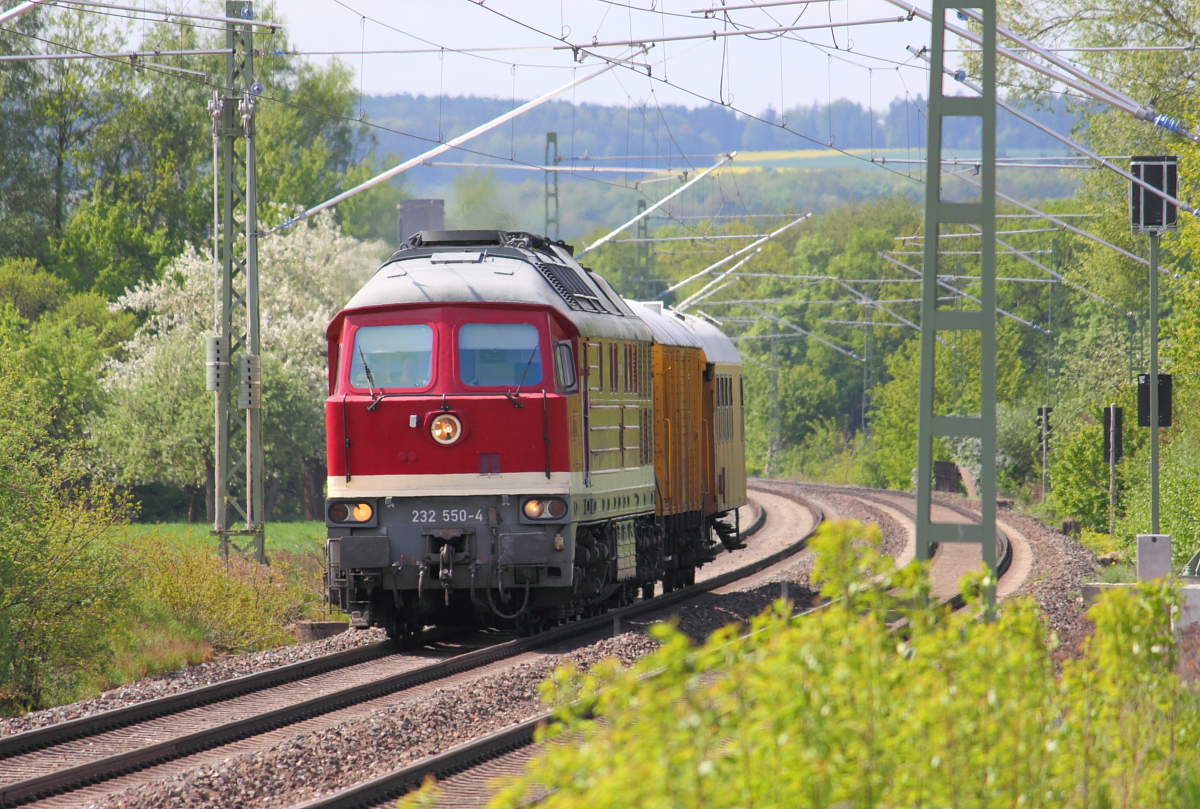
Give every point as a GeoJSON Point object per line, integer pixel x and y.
{"type": "Point", "coordinates": [834, 709]}
{"type": "Point", "coordinates": [109, 245]}
{"type": "Point", "coordinates": [1080, 476]}
{"type": "Point", "coordinates": [237, 606]}
{"type": "Point", "coordinates": [62, 585]}
{"type": "Point", "coordinates": [1179, 497]}
{"type": "Point", "coordinates": [29, 288]}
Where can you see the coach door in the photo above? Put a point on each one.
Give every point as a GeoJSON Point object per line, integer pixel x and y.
{"type": "Point", "coordinates": [592, 376]}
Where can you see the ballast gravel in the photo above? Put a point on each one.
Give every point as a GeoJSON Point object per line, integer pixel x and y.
{"type": "Point", "coordinates": [1061, 565]}
{"type": "Point", "coordinates": [191, 677]}
{"type": "Point", "coordinates": [333, 758]}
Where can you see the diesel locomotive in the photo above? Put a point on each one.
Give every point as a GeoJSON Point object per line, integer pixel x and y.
{"type": "Point", "coordinates": [511, 442]}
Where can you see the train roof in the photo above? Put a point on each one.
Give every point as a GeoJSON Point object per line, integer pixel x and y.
{"type": "Point", "coordinates": [437, 267]}
{"type": "Point", "coordinates": [667, 330]}
{"type": "Point", "coordinates": [717, 346]}
{"type": "Point", "coordinates": [681, 329]}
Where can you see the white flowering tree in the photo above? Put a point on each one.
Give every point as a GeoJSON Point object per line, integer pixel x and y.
{"type": "Point", "coordinates": [159, 425]}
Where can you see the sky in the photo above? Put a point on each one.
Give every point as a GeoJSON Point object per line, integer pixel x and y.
{"type": "Point", "coordinates": [864, 63]}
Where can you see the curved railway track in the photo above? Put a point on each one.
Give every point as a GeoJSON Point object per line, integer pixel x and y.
{"type": "Point", "coordinates": [465, 772]}
{"type": "Point", "coordinates": [55, 765]}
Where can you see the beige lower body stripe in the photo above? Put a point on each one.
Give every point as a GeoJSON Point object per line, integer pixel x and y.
{"type": "Point", "coordinates": [448, 485]}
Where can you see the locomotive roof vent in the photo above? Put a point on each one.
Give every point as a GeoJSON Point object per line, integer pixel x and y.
{"type": "Point", "coordinates": [481, 238]}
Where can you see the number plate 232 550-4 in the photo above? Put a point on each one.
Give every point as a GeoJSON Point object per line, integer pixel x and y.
{"type": "Point", "coordinates": [446, 515]}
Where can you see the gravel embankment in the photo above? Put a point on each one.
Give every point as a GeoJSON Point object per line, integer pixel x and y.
{"type": "Point", "coordinates": [353, 751]}
{"type": "Point", "coordinates": [186, 679]}
{"type": "Point", "coordinates": [1060, 567]}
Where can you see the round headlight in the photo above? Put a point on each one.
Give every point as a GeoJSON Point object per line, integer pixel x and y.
{"type": "Point", "coordinates": [339, 512]}
{"type": "Point", "coordinates": [361, 512]}
{"type": "Point", "coordinates": [549, 509]}
{"type": "Point", "coordinates": [446, 429]}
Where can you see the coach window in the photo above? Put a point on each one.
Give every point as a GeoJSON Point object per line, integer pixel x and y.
{"type": "Point", "coordinates": [499, 355]}
{"type": "Point", "coordinates": [564, 366]}
{"type": "Point", "coordinates": [399, 356]}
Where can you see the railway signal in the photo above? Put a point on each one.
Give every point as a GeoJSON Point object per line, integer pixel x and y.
{"type": "Point", "coordinates": [1043, 424]}
{"type": "Point", "coordinates": [1153, 215]}
{"type": "Point", "coordinates": [1113, 451]}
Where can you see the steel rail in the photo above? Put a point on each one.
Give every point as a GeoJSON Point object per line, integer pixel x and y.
{"type": "Point", "coordinates": [103, 769]}
{"type": "Point", "coordinates": [486, 748]}
{"type": "Point", "coordinates": [60, 732]}
{"type": "Point", "coordinates": [385, 788]}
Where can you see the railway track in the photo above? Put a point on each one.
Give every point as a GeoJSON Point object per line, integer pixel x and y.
{"type": "Point", "coordinates": [465, 772]}
{"type": "Point", "coordinates": [57, 765]}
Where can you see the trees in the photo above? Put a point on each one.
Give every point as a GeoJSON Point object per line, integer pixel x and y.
{"type": "Point", "coordinates": [61, 585]}
{"type": "Point", "coordinates": [157, 388]}
{"type": "Point", "coordinates": [106, 166]}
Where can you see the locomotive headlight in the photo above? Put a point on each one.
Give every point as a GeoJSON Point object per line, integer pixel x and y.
{"type": "Point", "coordinates": [549, 509]}
{"type": "Point", "coordinates": [344, 512]}
{"type": "Point", "coordinates": [446, 429]}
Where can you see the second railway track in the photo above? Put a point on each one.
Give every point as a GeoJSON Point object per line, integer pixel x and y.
{"type": "Point", "coordinates": [73, 763]}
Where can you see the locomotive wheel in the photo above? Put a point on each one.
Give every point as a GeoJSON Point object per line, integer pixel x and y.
{"type": "Point", "coordinates": [689, 576]}
{"type": "Point", "coordinates": [648, 590]}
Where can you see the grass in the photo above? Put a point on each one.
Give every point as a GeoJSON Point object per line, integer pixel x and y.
{"type": "Point", "coordinates": [1118, 574]}
{"type": "Point", "coordinates": [293, 537]}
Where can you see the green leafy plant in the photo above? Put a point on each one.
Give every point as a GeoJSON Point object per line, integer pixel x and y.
{"type": "Point", "coordinates": [835, 709]}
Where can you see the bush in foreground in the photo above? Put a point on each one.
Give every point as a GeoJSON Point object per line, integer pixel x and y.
{"type": "Point", "coordinates": [836, 709]}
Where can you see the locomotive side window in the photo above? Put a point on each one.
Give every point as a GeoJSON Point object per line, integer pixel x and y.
{"type": "Point", "coordinates": [499, 354]}
{"type": "Point", "coordinates": [399, 356]}
{"type": "Point", "coordinates": [564, 366]}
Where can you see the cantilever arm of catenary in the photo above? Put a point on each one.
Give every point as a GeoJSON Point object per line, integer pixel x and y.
{"type": "Point", "coordinates": [1064, 225]}
{"type": "Point", "coordinates": [947, 286]}
{"type": "Point", "coordinates": [448, 145]}
{"type": "Point", "coordinates": [1065, 140]}
{"type": "Point", "coordinates": [701, 295]}
{"type": "Point", "coordinates": [793, 327]}
{"type": "Point", "coordinates": [1085, 84]}
{"type": "Point", "coordinates": [17, 11]}
{"type": "Point", "coordinates": [1049, 271]}
{"type": "Point", "coordinates": [732, 256]}
{"type": "Point", "coordinates": [662, 201]}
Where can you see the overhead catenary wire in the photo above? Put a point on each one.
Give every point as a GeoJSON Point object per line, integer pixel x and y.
{"type": "Point", "coordinates": [796, 328]}
{"type": "Point", "coordinates": [1074, 77]}
{"type": "Point", "coordinates": [732, 256]}
{"type": "Point", "coordinates": [272, 26]}
{"type": "Point", "coordinates": [1066, 225]}
{"type": "Point", "coordinates": [444, 147]}
{"type": "Point", "coordinates": [714, 35]}
{"type": "Point", "coordinates": [722, 9]}
{"type": "Point", "coordinates": [700, 96]}
{"type": "Point", "coordinates": [1087, 153]}
{"type": "Point", "coordinates": [947, 286]}
{"type": "Point", "coordinates": [650, 209]}
{"type": "Point", "coordinates": [700, 295]}
{"type": "Point", "coordinates": [534, 167]}
{"type": "Point", "coordinates": [132, 55]}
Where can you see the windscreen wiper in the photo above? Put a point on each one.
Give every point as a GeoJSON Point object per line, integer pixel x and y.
{"type": "Point", "coordinates": [370, 380]}
{"type": "Point", "coordinates": [514, 397]}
